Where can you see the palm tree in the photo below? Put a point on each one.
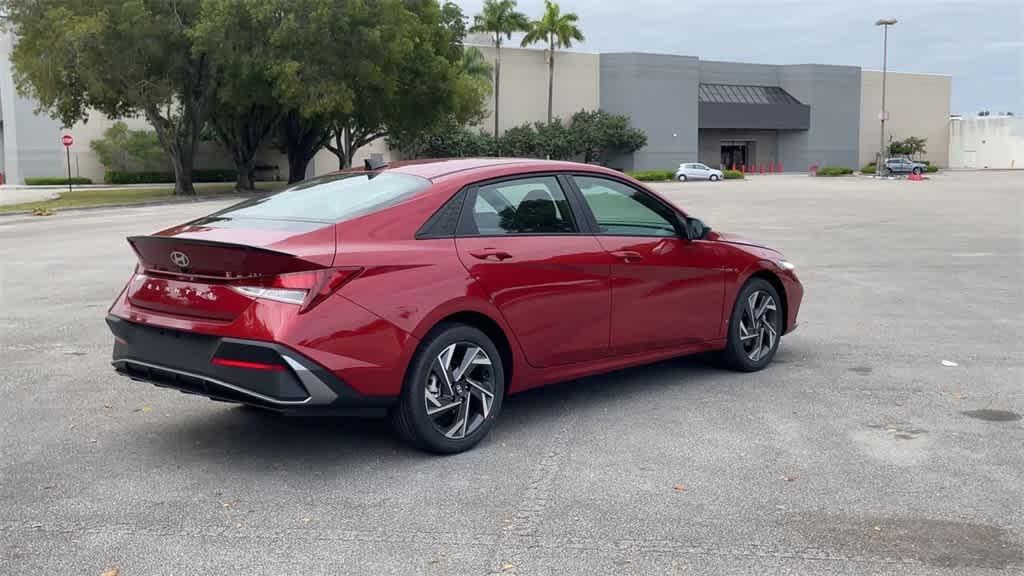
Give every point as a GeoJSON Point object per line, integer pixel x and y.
{"type": "Point", "coordinates": [475, 65]}
{"type": "Point", "coordinates": [500, 18]}
{"type": "Point", "coordinates": [558, 30]}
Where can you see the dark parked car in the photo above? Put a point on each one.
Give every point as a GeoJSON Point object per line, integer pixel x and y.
{"type": "Point", "coordinates": [904, 166]}
{"type": "Point", "coordinates": [429, 291]}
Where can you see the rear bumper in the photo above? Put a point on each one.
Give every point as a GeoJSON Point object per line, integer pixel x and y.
{"type": "Point", "coordinates": [182, 361]}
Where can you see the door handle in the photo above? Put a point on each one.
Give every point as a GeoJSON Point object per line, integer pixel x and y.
{"type": "Point", "coordinates": [488, 253]}
{"type": "Point", "coordinates": [628, 255]}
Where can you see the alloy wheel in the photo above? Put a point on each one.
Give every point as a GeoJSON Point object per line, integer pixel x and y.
{"type": "Point", "coordinates": [759, 325]}
{"type": "Point", "coordinates": [459, 391]}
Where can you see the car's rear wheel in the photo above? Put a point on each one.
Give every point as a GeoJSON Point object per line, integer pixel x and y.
{"type": "Point", "coordinates": [755, 327]}
{"type": "Point", "coordinates": [681, 177]}
{"type": "Point", "coordinates": [453, 390]}
{"type": "Point", "coordinates": [714, 178]}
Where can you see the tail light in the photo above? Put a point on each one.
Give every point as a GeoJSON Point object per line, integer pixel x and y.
{"type": "Point", "coordinates": [304, 289]}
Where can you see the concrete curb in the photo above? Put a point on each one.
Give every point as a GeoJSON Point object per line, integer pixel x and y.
{"type": "Point", "coordinates": [199, 200]}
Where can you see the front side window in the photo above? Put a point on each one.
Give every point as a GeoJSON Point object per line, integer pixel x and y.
{"type": "Point", "coordinates": [622, 210]}
{"type": "Point", "coordinates": [332, 198]}
{"type": "Point", "coordinates": [523, 206]}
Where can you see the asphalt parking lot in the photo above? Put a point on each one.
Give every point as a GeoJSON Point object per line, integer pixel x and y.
{"type": "Point", "coordinates": [857, 452]}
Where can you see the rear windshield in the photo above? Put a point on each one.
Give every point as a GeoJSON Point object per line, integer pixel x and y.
{"type": "Point", "coordinates": [332, 198]}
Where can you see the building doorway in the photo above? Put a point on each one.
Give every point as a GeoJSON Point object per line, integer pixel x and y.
{"type": "Point", "coordinates": [734, 154]}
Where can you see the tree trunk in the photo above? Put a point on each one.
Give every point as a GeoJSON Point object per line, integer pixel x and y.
{"type": "Point", "coordinates": [551, 76]}
{"type": "Point", "coordinates": [342, 146]}
{"type": "Point", "coordinates": [305, 138]}
{"type": "Point", "coordinates": [246, 175]}
{"type": "Point", "coordinates": [179, 141]}
{"type": "Point", "coordinates": [497, 87]}
{"type": "Point", "coordinates": [182, 162]}
{"type": "Point", "coordinates": [349, 151]}
{"type": "Point", "coordinates": [297, 165]}
{"type": "Point", "coordinates": [242, 132]}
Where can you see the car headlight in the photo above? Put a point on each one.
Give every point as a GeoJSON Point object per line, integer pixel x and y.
{"type": "Point", "coordinates": [786, 264]}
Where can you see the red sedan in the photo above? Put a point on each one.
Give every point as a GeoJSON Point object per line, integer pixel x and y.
{"type": "Point", "coordinates": [430, 291]}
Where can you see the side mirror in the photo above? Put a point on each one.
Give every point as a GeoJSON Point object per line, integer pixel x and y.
{"type": "Point", "coordinates": [695, 229]}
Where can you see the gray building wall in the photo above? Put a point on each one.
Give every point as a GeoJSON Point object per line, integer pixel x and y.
{"type": "Point", "coordinates": [833, 93]}
{"type": "Point", "coordinates": [659, 94]}
{"type": "Point", "coordinates": [31, 142]}
{"type": "Point", "coordinates": [762, 147]}
{"type": "Point", "coordinates": [713, 72]}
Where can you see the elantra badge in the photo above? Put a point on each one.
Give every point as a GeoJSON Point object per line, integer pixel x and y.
{"type": "Point", "coordinates": [180, 259]}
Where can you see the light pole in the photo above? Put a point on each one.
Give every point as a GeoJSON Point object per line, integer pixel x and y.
{"type": "Point", "coordinates": [884, 23]}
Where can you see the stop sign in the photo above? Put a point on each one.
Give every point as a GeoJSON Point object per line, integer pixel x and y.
{"type": "Point", "coordinates": [67, 140]}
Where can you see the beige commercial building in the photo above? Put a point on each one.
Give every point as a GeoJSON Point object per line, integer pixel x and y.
{"type": "Point", "coordinates": [524, 85]}
{"type": "Point", "coordinates": [918, 105]}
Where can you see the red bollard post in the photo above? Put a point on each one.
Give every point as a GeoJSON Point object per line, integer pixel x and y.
{"type": "Point", "coordinates": [771, 167]}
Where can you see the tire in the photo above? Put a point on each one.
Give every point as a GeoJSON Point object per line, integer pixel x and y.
{"type": "Point", "coordinates": [425, 385]}
{"type": "Point", "coordinates": [917, 171]}
{"type": "Point", "coordinates": [714, 178]}
{"type": "Point", "coordinates": [681, 178]}
{"type": "Point", "coordinates": [765, 332]}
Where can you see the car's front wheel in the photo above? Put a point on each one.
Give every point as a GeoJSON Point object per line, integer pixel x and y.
{"type": "Point", "coordinates": [755, 327]}
{"type": "Point", "coordinates": [681, 177]}
{"type": "Point", "coordinates": [917, 171]}
{"type": "Point", "coordinates": [453, 390]}
{"type": "Point", "coordinates": [714, 178]}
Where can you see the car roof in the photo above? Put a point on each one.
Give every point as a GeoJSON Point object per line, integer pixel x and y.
{"type": "Point", "coordinates": [435, 169]}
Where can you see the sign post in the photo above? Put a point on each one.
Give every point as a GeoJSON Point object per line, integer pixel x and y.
{"type": "Point", "coordinates": [67, 141]}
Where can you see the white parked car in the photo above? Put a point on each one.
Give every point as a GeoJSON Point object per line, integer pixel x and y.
{"type": "Point", "coordinates": [697, 171]}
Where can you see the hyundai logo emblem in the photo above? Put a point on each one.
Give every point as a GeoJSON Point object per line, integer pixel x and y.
{"type": "Point", "coordinates": [180, 259]}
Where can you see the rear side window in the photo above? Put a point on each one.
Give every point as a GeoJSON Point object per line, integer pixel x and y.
{"type": "Point", "coordinates": [332, 198]}
{"type": "Point", "coordinates": [523, 206]}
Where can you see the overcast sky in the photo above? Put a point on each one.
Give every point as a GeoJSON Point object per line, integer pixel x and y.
{"type": "Point", "coordinates": [979, 43]}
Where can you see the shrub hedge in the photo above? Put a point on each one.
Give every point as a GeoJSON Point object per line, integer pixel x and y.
{"type": "Point", "coordinates": [869, 168]}
{"type": "Point", "coordinates": [652, 175]}
{"type": "Point", "coordinates": [55, 181]}
{"type": "Point", "coordinates": [118, 177]}
{"type": "Point", "coordinates": [732, 174]}
{"type": "Point", "coordinates": [835, 171]}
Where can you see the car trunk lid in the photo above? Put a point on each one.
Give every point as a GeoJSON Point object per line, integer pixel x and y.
{"type": "Point", "coordinates": [195, 269]}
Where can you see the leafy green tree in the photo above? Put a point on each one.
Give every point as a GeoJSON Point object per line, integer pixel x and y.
{"type": "Point", "coordinates": [911, 146]}
{"type": "Point", "coordinates": [121, 149]}
{"type": "Point", "coordinates": [500, 19]}
{"type": "Point", "coordinates": [448, 136]}
{"type": "Point", "coordinates": [474, 65]}
{"type": "Point", "coordinates": [558, 31]}
{"type": "Point", "coordinates": [351, 71]}
{"type": "Point", "coordinates": [325, 52]}
{"type": "Point", "coordinates": [418, 90]}
{"type": "Point", "coordinates": [245, 109]}
{"type": "Point", "coordinates": [119, 57]}
{"type": "Point", "coordinates": [599, 135]}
